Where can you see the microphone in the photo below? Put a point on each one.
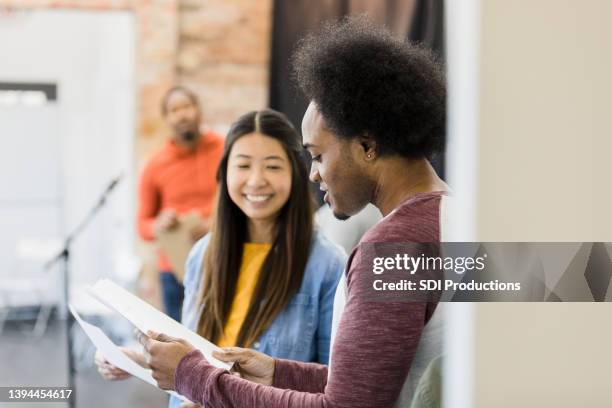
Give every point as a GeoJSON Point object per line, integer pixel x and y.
{"type": "Point", "coordinates": [114, 182]}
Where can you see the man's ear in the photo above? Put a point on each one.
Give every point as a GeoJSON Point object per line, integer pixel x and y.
{"type": "Point", "coordinates": [368, 144]}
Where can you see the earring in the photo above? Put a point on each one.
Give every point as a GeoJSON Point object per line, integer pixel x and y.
{"type": "Point", "coordinates": [369, 155]}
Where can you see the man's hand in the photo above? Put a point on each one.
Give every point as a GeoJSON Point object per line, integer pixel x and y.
{"type": "Point", "coordinates": [165, 221]}
{"type": "Point", "coordinates": [250, 364]}
{"type": "Point", "coordinates": [163, 354]}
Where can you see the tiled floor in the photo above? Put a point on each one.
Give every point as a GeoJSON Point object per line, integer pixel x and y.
{"type": "Point", "coordinates": [29, 361]}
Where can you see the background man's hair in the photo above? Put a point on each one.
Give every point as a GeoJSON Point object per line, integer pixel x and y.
{"type": "Point", "coordinates": [177, 88]}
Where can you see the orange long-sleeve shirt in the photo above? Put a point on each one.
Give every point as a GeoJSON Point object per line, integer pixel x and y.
{"type": "Point", "coordinates": [179, 179]}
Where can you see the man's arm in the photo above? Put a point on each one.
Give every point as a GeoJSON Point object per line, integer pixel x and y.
{"type": "Point", "coordinates": [298, 376]}
{"type": "Point", "coordinates": [148, 204]}
{"type": "Point", "coordinates": [373, 351]}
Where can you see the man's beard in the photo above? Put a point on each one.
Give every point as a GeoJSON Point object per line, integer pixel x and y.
{"type": "Point", "coordinates": [188, 136]}
{"type": "Point", "coordinates": [341, 216]}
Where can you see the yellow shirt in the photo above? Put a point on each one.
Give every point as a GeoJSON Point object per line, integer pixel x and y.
{"type": "Point", "coordinates": [253, 257]}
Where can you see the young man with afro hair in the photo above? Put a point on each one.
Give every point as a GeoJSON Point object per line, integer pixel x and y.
{"type": "Point", "coordinates": [377, 114]}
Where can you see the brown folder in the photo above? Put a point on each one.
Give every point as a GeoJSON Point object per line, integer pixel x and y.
{"type": "Point", "coordinates": [177, 242]}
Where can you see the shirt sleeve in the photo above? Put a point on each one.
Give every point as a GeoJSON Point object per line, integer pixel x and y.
{"type": "Point", "coordinates": [373, 351]}
{"type": "Point", "coordinates": [299, 376]}
{"type": "Point", "coordinates": [192, 282]}
{"type": "Point", "coordinates": [148, 204]}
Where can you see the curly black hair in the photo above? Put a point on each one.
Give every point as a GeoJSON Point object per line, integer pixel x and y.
{"type": "Point", "coordinates": [365, 82]}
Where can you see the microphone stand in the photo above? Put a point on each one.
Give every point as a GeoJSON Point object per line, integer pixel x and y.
{"type": "Point", "coordinates": [64, 257]}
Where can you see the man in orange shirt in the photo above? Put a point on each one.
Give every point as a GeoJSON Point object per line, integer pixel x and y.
{"type": "Point", "coordinates": [180, 178]}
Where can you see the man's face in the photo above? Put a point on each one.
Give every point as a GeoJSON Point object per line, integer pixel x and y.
{"type": "Point", "coordinates": [337, 165]}
{"type": "Point", "coordinates": [183, 117]}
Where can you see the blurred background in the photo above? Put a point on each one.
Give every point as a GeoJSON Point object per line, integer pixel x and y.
{"type": "Point", "coordinates": [529, 139]}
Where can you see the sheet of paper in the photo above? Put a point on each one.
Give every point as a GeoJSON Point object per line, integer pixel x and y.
{"type": "Point", "coordinates": [177, 242]}
{"type": "Point", "coordinates": [145, 317]}
{"type": "Point", "coordinates": [112, 353]}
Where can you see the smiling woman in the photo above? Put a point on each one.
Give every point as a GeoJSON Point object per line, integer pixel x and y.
{"type": "Point", "coordinates": [263, 277]}
{"type": "Point", "coordinates": [263, 199]}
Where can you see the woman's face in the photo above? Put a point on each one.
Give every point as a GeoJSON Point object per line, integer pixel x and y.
{"type": "Point", "coordinates": [259, 176]}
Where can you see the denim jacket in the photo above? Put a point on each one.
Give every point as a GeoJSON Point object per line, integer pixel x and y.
{"type": "Point", "coordinates": [302, 331]}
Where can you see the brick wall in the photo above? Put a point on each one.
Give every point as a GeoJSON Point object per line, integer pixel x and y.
{"type": "Point", "coordinates": [224, 53]}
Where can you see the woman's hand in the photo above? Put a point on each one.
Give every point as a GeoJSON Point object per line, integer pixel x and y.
{"type": "Point", "coordinates": [113, 373]}
{"type": "Point", "coordinates": [137, 357]}
{"type": "Point", "coordinates": [250, 364]}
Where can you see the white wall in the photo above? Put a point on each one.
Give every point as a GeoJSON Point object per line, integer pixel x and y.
{"type": "Point", "coordinates": [90, 55]}
{"type": "Point", "coordinates": [462, 24]}
{"type": "Point", "coordinates": [542, 157]}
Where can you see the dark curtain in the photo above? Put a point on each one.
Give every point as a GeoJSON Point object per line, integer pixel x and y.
{"type": "Point", "coordinates": [292, 19]}
{"type": "Point", "coordinates": [427, 25]}
{"type": "Point", "coordinates": [427, 28]}
{"type": "Point", "coordinates": [417, 20]}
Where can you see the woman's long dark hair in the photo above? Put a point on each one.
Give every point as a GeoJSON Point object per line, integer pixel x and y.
{"type": "Point", "coordinates": [283, 269]}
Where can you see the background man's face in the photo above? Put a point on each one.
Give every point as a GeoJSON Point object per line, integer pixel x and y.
{"type": "Point", "coordinates": [183, 116]}
{"type": "Point", "coordinates": [335, 166]}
